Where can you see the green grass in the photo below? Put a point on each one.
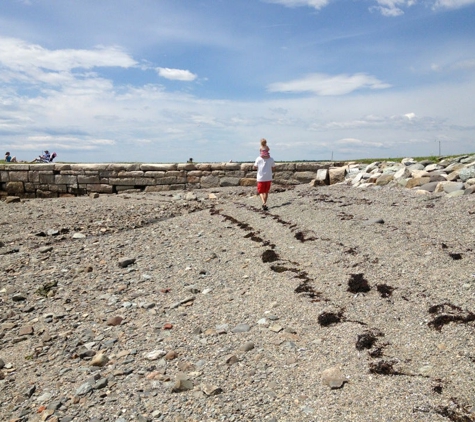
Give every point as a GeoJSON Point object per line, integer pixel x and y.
{"type": "Point", "coordinates": [433, 158]}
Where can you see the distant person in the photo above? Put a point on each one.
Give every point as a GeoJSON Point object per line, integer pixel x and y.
{"type": "Point", "coordinates": [9, 158]}
{"type": "Point", "coordinates": [190, 160]}
{"type": "Point", "coordinates": [264, 167]}
{"type": "Point", "coordinates": [264, 150]}
{"type": "Point", "coordinates": [45, 158]}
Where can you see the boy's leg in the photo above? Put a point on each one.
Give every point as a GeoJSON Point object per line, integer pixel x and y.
{"type": "Point", "coordinates": [264, 197]}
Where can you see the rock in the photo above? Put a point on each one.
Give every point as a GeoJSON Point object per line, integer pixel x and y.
{"type": "Point", "coordinates": [384, 179]}
{"type": "Point", "coordinates": [99, 360]}
{"type": "Point", "coordinates": [12, 199]}
{"type": "Point", "coordinates": [469, 190]}
{"type": "Point", "coordinates": [448, 187]}
{"type": "Point", "coordinates": [467, 173]}
{"type": "Point", "coordinates": [429, 187]}
{"type": "Point", "coordinates": [191, 196]}
{"type": "Point", "coordinates": [182, 302]}
{"type": "Point", "coordinates": [231, 359]}
{"type": "Point", "coordinates": [171, 355]}
{"type": "Point", "coordinates": [246, 347]}
{"type": "Point", "coordinates": [114, 321]}
{"type": "Point", "coordinates": [84, 389]}
{"type": "Point", "coordinates": [402, 173]}
{"type": "Point", "coordinates": [276, 328]}
{"type": "Point", "coordinates": [182, 384]}
{"type": "Point", "coordinates": [100, 383]}
{"type": "Point", "coordinates": [26, 331]}
{"type": "Point", "coordinates": [155, 354]}
{"type": "Point", "coordinates": [241, 328]}
{"type": "Point", "coordinates": [79, 236]}
{"type": "Point", "coordinates": [337, 175]}
{"type": "Point", "coordinates": [333, 377]}
{"type": "Point", "coordinates": [374, 221]}
{"type": "Point", "coordinates": [211, 390]}
{"type": "Point", "coordinates": [125, 262]}
{"type": "Point", "coordinates": [417, 181]}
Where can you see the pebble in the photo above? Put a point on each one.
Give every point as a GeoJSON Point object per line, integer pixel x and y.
{"type": "Point", "coordinates": [333, 377]}
{"type": "Point", "coordinates": [241, 328]}
{"type": "Point", "coordinates": [155, 354]}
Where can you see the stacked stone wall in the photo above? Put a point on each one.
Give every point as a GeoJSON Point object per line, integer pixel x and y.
{"type": "Point", "coordinates": [53, 180]}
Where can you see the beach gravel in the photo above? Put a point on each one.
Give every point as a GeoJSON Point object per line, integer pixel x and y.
{"type": "Point", "coordinates": [337, 304]}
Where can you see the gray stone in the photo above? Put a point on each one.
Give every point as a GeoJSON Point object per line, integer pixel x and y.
{"type": "Point", "coordinates": [467, 173]}
{"type": "Point", "coordinates": [241, 328]}
{"type": "Point", "coordinates": [429, 187]}
{"type": "Point", "coordinates": [227, 181]}
{"type": "Point", "coordinates": [84, 389]}
{"type": "Point", "coordinates": [209, 182]}
{"type": "Point", "coordinates": [246, 347]}
{"type": "Point", "coordinates": [449, 187]}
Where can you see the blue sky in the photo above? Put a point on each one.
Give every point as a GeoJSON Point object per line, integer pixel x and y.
{"type": "Point", "coordinates": [165, 80]}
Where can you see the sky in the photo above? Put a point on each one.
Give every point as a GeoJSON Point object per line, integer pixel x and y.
{"type": "Point", "coordinates": [168, 80]}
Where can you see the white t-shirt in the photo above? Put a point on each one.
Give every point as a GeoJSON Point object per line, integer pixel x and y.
{"type": "Point", "coordinates": [264, 168]}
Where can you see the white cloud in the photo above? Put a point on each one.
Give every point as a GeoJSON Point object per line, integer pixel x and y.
{"type": "Point", "coordinates": [32, 64]}
{"type": "Point", "coordinates": [353, 142]}
{"type": "Point", "coordinates": [19, 55]}
{"type": "Point", "coordinates": [176, 74]}
{"type": "Point", "coordinates": [390, 8]}
{"type": "Point", "coordinates": [316, 4]}
{"type": "Point", "coordinates": [464, 64]}
{"type": "Point", "coordinates": [322, 84]}
{"type": "Point", "coordinates": [453, 4]}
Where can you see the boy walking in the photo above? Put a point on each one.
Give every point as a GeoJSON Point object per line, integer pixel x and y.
{"type": "Point", "coordinates": [264, 167]}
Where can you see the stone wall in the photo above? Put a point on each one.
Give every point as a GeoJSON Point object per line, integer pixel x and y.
{"type": "Point", "coordinates": [53, 180]}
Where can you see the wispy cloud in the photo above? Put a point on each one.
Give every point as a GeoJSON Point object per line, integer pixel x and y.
{"type": "Point", "coordinates": [176, 74]}
{"type": "Point", "coordinates": [453, 4]}
{"type": "Point", "coordinates": [355, 143]}
{"type": "Point", "coordinates": [322, 84]}
{"type": "Point", "coordinates": [316, 4]}
{"type": "Point", "coordinates": [390, 8]}
{"type": "Point", "coordinates": [19, 55]}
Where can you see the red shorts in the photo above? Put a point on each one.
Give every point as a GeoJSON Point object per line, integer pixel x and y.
{"type": "Point", "coordinates": [263, 187]}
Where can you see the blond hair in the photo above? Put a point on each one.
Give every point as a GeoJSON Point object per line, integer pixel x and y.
{"type": "Point", "coordinates": [263, 142]}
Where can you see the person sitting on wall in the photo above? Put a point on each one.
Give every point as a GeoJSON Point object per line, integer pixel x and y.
{"type": "Point", "coordinates": [45, 158]}
{"type": "Point", "coordinates": [9, 158]}
{"type": "Point", "coordinates": [190, 160]}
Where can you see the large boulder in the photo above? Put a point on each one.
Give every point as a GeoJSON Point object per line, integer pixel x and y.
{"type": "Point", "coordinates": [384, 179]}
{"type": "Point", "coordinates": [337, 175]}
{"type": "Point", "coordinates": [417, 181]}
{"type": "Point", "coordinates": [467, 173]}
